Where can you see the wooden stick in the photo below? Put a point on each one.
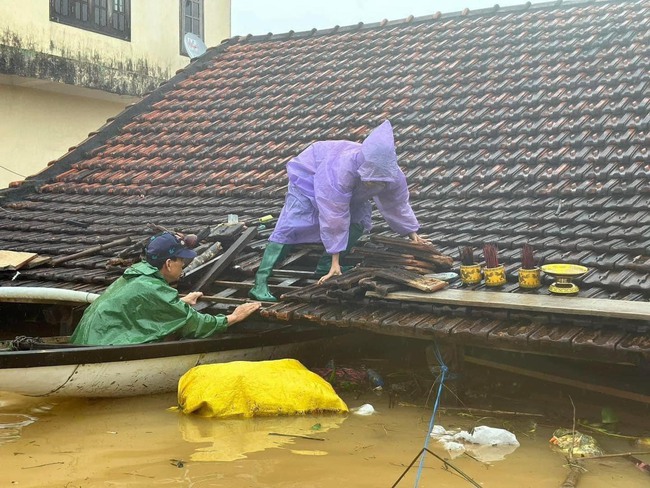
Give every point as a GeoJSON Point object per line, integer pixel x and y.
{"type": "Point", "coordinates": [605, 432]}
{"type": "Point", "coordinates": [134, 248]}
{"type": "Point", "coordinates": [295, 256]}
{"type": "Point", "coordinates": [216, 299]}
{"type": "Point", "coordinates": [445, 462]}
{"type": "Point", "coordinates": [573, 430]}
{"type": "Point", "coordinates": [243, 285]}
{"type": "Point", "coordinates": [41, 465]}
{"type": "Point", "coordinates": [298, 436]}
{"type": "Point", "coordinates": [497, 412]}
{"type": "Point", "coordinates": [620, 454]}
{"type": "Point", "coordinates": [227, 257]}
{"type": "Point", "coordinates": [90, 250]}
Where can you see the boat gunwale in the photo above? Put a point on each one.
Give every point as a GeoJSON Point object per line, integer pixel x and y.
{"type": "Point", "coordinates": [66, 355]}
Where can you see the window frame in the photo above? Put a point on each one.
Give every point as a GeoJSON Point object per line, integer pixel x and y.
{"type": "Point", "coordinates": [115, 12]}
{"type": "Point", "coordinates": [182, 16]}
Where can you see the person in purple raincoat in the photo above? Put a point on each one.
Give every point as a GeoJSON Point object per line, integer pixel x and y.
{"type": "Point", "coordinates": [331, 184]}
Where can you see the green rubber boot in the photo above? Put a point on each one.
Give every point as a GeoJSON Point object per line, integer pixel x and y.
{"type": "Point", "coordinates": [272, 254]}
{"type": "Point", "coordinates": [325, 261]}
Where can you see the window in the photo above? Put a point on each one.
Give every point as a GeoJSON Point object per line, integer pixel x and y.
{"type": "Point", "coordinates": [110, 17]}
{"type": "Point", "coordinates": [191, 20]}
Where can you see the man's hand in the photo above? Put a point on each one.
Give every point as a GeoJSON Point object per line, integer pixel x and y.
{"type": "Point", "coordinates": [242, 311]}
{"type": "Point", "coordinates": [416, 238]}
{"type": "Point", "coordinates": [192, 298]}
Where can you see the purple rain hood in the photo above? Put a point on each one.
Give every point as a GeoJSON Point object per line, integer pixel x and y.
{"type": "Point", "coordinates": [379, 159]}
{"type": "Point", "coordinates": [326, 191]}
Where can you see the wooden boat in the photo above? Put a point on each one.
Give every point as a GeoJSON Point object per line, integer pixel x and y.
{"type": "Point", "coordinates": [53, 367]}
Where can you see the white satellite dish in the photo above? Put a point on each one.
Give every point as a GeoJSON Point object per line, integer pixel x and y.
{"type": "Point", "coordinates": [194, 46]}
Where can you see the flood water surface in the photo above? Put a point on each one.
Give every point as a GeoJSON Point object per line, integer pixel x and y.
{"type": "Point", "coordinates": [141, 442]}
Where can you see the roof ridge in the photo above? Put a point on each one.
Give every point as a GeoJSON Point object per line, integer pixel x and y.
{"type": "Point", "coordinates": [465, 13]}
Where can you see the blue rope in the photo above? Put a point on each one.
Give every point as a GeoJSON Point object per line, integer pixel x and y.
{"type": "Point", "coordinates": [443, 373]}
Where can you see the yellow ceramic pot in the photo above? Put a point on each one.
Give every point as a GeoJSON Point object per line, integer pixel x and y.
{"type": "Point", "coordinates": [563, 273]}
{"type": "Point", "coordinates": [470, 274]}
{"type": "Point", "coordinates": [495, 276]}
{"type": "Point", "coordinates": [529, 278]}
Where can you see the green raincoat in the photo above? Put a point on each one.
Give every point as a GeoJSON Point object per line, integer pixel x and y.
{"type": "Point", "coordinates": [141, 307]}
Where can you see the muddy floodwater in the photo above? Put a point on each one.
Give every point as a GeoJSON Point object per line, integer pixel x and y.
{"type": "Point", "coordinates": [141, 442]}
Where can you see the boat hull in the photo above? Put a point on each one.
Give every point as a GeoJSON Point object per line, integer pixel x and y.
{"type": "Point", "coordinates": [119, 371]}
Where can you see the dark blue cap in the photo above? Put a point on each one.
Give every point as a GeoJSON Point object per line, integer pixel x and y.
{"type": "Point", "coordinates": [167, 246]}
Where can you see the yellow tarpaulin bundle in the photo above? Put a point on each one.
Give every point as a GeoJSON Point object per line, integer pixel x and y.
{"type": "Point", "coordinates": [261, 388]}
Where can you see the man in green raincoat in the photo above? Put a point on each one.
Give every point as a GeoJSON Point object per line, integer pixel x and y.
{"type": "Point", "coordinates": [141, 306]}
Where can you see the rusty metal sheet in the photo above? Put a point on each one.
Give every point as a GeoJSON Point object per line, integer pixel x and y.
{"type": "Point", "coordinates": [554, 338]}
{"type": "Point", "coordinates": [513, 335]}
{"type": "Point", "coordinates": [474, 330]}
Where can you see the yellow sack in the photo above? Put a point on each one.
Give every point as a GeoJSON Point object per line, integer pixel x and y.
{"type": "Point", "coordinates": [260, 388]}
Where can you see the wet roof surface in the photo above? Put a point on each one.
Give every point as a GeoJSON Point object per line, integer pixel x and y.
{"type": "Point", "coordinates": [515, 125]}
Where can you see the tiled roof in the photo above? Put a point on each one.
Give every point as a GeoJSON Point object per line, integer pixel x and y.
{"type": "Point", "coordinates": [516, 125]}
{"type": "Point", "coordinates": [588, 341]}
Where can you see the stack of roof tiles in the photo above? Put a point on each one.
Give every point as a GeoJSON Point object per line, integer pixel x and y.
{"type": "Point", "coordinates": [514, 125]}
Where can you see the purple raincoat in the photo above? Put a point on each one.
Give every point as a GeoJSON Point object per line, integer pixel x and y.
{"type": "Point", "coordinates": [326, 193]}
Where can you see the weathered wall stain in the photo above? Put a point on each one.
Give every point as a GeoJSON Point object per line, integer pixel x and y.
{"type": "Point", "coordinates": [123, 77]}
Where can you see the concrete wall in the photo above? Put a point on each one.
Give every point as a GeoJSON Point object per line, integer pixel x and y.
{"type": "Point", "coordinates": [37, 126]}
